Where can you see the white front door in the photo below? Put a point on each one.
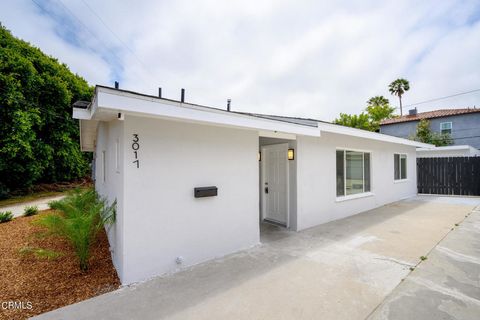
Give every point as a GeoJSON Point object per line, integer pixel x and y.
{"type": "Point", "coordinates": [275, 183]}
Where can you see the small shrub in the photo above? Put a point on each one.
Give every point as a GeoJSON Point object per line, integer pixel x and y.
{"type": "Point", "coordinates": [6, 216]}
{"type": "Point", "coordinates": [412, 268]}
{"type": "Point", "coordinates": [40, 253]}
{"type": "Point", "coordinates": [81, 215]}
{"type": "Point", "coordinates": [54, 204]}
{"type": "Point", "coordinates": [456, 224]}
{"type": "Point", "coordinates": [423, 258]}
{"type": "Point", "coordinates": [30, 211]}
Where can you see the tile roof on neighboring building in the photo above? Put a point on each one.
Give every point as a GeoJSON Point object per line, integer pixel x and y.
{"type": "Point", "coordinates": [429, 115]}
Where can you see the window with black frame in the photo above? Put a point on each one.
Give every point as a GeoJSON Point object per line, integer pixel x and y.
{"type": "Point", "coordinates": [353, 172]}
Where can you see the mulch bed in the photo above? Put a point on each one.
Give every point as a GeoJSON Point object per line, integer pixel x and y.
{"type": "Point", "coordinates": [48, 284]}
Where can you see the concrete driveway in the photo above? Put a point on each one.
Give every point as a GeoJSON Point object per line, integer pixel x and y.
{"type": "Point", "coordinates": [446, 285]}
{"type": "Point", "coordinates": [42, 204]}
{"type": "Point", "coordinates": [340, 270]}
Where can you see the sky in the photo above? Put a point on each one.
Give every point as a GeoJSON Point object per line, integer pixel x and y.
{"type": "Point", "coordinates": [310, 59]}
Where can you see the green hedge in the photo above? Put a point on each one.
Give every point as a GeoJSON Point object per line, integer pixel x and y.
{"type": "Point", "coordinates": [39, 140]}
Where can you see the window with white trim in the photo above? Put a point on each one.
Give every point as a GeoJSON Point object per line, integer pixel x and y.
{"type": "Point", "coordinates": [446, 127]}
{"type": "Point", "coordinates": [400, 166]}
{"type": "Point", "coordinates": [353, 172]}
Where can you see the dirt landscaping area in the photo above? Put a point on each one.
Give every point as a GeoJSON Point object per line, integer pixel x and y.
{"type": "Point", "coordinates": [39, 284]}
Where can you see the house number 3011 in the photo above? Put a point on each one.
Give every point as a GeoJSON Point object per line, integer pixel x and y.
{"type": "Point", "coordinates": [135, 147]}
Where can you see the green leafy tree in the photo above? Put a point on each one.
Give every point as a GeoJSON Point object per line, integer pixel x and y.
{"type": "Point", "coordinates": [361, 121]}
{"type": "Point", "coordinates": [425, 134]}
{"type": "Point", "coordinates": [398, 88]}
{"type": "Point", "coordinates": [378, 108]}
{"type": "Point", "coordinates": [38, 137]}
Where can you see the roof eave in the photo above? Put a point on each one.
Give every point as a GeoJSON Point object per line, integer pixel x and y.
{"type": "Point", "coordinates": [447, 148]}
{"type": "Point", "coordinates": [334, 128]}
{"type": "Point", "coordinates": [110, 102]}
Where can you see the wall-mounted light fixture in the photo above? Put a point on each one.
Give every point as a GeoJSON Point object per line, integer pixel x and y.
{"type": "Point", "coordinates": [259, 156]}
{"type": "Point", "coordinates": [291, 154]}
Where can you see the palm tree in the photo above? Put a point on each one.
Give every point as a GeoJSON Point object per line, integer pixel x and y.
{"type": "Point", "coordinates": [378, 109]}
{"type": "Point", "coordinates": [398, 88]}
{"type": "Point", "coordinates": [377, 101]}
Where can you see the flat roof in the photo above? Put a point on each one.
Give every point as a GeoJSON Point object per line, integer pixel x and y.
{"type": "Point", "coordinates": [448, 148]}
{"type": "Point", "coordinates": [113, 101]}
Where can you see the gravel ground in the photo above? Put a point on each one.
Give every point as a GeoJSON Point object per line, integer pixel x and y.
{"type": "Point", "coordinates": [37, 284]}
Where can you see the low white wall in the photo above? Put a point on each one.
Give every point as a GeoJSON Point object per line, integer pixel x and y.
{"type": "Point", "coordinates": [470, 152]}
{"type": "Point", "coordinates": [162, 218]}
{"type": "Point", "coordinates": [109, 138]}
{"type": "Point", "coordinates": [316, 178]}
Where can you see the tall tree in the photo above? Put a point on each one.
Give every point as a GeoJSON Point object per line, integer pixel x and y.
{"type": "Point", "coordinates": [378, 109]}
{"type": "Point", "coordinates": [398, 88]}
{"type": "Point", "coordinates": [39, 140]}
{"type": "Point", "coordinates": [378, 101]}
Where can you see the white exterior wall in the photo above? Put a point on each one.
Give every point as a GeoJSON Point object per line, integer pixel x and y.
{"type": "Point", "coordinates": [441, 153]}
{"type": "Point", "coordinates": [316, 177]}
{"type": "Point", "coordinates": [162, 218]}
{"type": "Point", "coordinates": [109, 138]}
{"type": "Point", "coordinates": [158, 218]}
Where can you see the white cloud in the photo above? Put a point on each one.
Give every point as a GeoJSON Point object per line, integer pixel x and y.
{"type": "Point", "coordinates": [24, 22]}
{"type": "Point", "coordinates": [304, 58]}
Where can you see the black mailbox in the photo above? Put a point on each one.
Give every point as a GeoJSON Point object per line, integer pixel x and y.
{"type": "Point", "coordinates": [205, 192]}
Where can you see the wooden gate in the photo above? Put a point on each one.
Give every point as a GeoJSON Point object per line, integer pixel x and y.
{"type": "Point", "coordinates": [454, 175]}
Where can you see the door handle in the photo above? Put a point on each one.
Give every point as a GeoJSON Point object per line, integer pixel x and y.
{"type": "Point", "coordinates": [266, 189]}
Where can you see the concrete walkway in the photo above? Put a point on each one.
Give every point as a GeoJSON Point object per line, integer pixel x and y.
{"type": "Point", "coordinates": [42, 204]}
{"type": "Point", "coordinates": [340, 270]}
{"type": "Point", "coordinates": [446, 285]}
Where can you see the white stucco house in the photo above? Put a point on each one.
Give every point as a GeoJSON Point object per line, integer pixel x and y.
{"type": "Point", "coordinates": [193, 183]}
